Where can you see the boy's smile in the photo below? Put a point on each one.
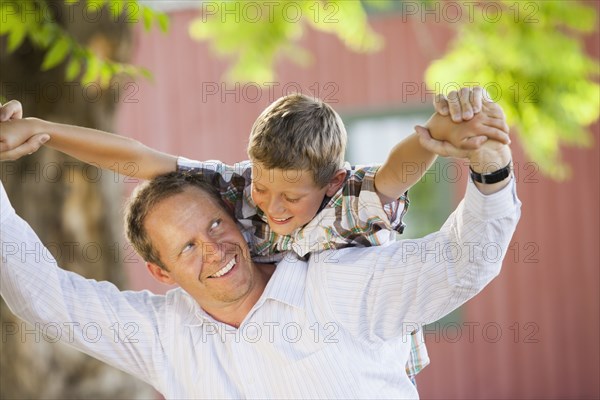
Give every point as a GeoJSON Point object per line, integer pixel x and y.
{"type": "Point", "coordinates": [289, 198]}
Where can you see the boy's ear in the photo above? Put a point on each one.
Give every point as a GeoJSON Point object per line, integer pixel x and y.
{"type": "Point", "coordinates": [159, 274]}
{"type": "Point", "coordinates": [336, 182]}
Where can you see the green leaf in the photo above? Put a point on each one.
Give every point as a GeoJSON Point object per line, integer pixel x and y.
{"type": "Point", "coordinates": [8, 16]}
{"type": "Point", "coordinates": [73, 69]}
{"type": "Point", "coordinates": [92, 71]}
{"type": "Point", "coordinates": [16, 37]}
{"type": "Point", "coordinates": [147, 16]}
{"type": "Point", "coordinates": [56, 54]}
{"type": "Point", "coordinates": [116, 8]}
{"type": "Point", "coordinates": [146, 73]}
{"type": "Point", "coordinates": [106, 74]}
{"type": "Point", "coordinates": [163, 22]}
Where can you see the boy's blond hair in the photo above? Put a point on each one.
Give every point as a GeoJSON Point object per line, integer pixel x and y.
{"type": "Point", "coordinates": [301, 133]}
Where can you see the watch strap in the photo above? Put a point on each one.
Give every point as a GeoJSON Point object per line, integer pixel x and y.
{"type": "Point", "coordinates": [492, 177]}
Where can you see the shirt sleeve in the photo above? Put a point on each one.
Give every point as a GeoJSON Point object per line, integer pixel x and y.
{"type": "Point", "coordinates": [388, 291]}
{"type": "Point", "coordinates": [361, 199]}
{"type": "Point", "coordinates": [354, 216]}
{"type": "Point", "coordinates": [119, 328]}
{"type": "Point", "coordinates": [229, 180]}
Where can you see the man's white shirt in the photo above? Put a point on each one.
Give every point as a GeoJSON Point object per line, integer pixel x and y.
{"type": "Point", "coordinates": [336, 326]}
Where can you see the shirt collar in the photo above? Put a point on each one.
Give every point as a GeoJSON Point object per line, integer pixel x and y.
{"type": "Point", "coordinates": [288, 282]}
{"type": "Point", "coordinates": [287, 285]}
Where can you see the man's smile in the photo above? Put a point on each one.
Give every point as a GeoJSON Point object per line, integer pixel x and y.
{"type": "Point", "coordinates": [228, 267]}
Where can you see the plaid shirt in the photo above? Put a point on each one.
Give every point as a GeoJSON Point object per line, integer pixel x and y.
{"type": "Point", "coordinates": [352, 217]}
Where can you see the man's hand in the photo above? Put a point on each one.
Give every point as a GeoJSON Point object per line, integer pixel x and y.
{"type": "Point", "coordinates": [490, 157]}
{"type": "Point", "coordinates": [490, 123]}
{"type": "Point", "coordinates": [461, 105]}
{"type": "Point", "coordinates": [20, 137]}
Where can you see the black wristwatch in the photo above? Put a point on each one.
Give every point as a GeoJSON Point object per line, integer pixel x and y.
{"type": "Point", "coordinates": [493, 177]}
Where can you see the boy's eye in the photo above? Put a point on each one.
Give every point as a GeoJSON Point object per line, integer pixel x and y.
{"type": "Point", "coordinates": [291, 200]}
{"type": "Point", "coordinates": [257, 190]}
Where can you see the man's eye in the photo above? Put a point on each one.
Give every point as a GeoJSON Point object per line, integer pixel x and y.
{"type": "Point", "coordinates": [216, 223]}
{"type": "Point", "coordinates": [188, 247]}
{"type": "Point", "coordinates": [257, 190]}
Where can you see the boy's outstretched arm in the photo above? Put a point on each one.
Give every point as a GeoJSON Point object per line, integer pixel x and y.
{"type": "Point", "coordinates": [409, 160]}
{"type": "Point", "coordinates": [406, 164]}
{"type": "Point", "coordinates": [19, 137]}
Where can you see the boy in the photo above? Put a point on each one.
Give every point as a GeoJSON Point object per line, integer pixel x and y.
{"type": "Point", "coordinates": [296, 150]}
{"type": "Point", "coordinates": [295, 194]}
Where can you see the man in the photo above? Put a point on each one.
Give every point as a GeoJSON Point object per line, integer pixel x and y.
{"type": "Point", "coordinates": [332, 327]}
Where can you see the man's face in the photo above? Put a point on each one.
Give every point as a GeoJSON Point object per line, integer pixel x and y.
{"type": "Point", "coordinates": [289, 198]}
{"type": "Point", "coordinates": [202, 248]}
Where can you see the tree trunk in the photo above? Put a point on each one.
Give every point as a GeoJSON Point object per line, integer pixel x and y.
{"type": "Point", "coordinates": [74, 208]}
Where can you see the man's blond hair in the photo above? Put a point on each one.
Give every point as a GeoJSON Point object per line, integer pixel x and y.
{"type": "Point", "coordinates": [301, 133]}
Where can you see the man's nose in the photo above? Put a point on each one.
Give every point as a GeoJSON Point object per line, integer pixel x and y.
{"type": "Point", "coordinates": [213, 252]}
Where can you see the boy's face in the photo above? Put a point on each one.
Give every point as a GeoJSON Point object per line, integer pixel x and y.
{"type": "Point", "coordinates": [289, 198]}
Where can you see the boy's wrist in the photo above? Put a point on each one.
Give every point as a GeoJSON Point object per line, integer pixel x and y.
{"type": "Point", "coordinates": [39, 125]}
{"type": "Point", "coordinates": [435, 127]}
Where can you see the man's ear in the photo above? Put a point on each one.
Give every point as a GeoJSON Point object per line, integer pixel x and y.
{"type": "Point", "coordinates": [336, 182]}
{"type": "Point", "coordinates": [160, 274]}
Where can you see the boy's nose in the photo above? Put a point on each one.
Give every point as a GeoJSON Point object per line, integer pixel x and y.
{"type": "Point", "coordinates": [276, 207]}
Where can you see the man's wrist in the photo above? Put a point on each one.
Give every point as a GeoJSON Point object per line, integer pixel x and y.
{"type": "Point", "coordinates": [492, 177]}
{"type": "Point", "coordinates": [490, 158]}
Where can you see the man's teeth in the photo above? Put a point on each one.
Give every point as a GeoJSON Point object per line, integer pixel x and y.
{"type": "Point", "coordinates": [225, 269]}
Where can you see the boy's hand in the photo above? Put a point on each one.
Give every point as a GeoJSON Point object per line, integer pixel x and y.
{"type": "Point", "coordinates": [461, 105]}
{"type": "Point", "coordinates": [446, 149]}
{"type": "Point", "coordinates": [11, 110]}
{"type": "Point", "coordinates": [20, 137]}
{"type": "Point", "coordinates": [490, 123]}
{"type": "Point", "coordinates": [491, 156]}
{"type": "Point", "coordinates": [441, 148]}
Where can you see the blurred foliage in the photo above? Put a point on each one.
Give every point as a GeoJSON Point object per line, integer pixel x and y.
{"type": "Point", "coordinates": [528, 54]}
{"type": "Point", "coordinates": [36, 21]}
{"type": "Point", "coordinates": [257, 32]}
{"type": "Point", "coordinates": [530, 58]}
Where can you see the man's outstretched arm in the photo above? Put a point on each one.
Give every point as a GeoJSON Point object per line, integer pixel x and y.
{"type": "Point", "coordinates": [414, 282]}
{"type": "Point", "coordinates": [119, 328]}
